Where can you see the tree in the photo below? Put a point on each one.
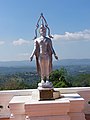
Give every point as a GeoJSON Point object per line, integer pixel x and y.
{"type": "Point", "coordinates": [59, 78]}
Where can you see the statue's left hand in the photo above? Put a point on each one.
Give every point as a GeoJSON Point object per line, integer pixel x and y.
{"type": "Point", "coordinates": [31, 58]}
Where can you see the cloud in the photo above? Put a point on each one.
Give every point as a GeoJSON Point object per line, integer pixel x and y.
{"type": "Point", "coordinates": [81, 35]}
{"type": "Point", "coordinates": [20, 42]}
{"type": "Point", "coordinates": [2, 42]}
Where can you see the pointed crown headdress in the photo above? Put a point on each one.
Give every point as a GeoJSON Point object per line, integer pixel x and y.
{"type": "Point", "coordinates": [44, 25]}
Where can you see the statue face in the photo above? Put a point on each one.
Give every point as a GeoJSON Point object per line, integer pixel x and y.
{"type": "Point", "coordinates": [42, 31]}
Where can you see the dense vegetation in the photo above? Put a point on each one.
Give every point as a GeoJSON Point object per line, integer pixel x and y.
{"type": "Point", "coordinates": [61, 78]}
{"type": "Point", "coordinates": [23, 80]}
{"type": "Point", "coordinates": [28, 80]}
{"type": "Point", "coordinates": [81, 80]}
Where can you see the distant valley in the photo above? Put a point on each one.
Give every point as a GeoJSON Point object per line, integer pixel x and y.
{"type": "Point", "coordinates": [23, 75]}
{"type": "Point", "coordinates": [27, 63]}
{"type": "Point", "coordinates": [73, 66]}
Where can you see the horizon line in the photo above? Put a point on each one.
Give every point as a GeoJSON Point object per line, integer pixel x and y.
{"type": "Point", "coordinates": [53, 60]}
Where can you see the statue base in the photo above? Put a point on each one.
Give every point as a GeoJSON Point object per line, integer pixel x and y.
{"type": "Point", "coordinates": [45, 94]}
{"type": "Point", "coordinates": [46, 91]}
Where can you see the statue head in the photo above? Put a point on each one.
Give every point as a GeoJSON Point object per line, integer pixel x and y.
{"type": "Point", "coordinates": [42, 30]}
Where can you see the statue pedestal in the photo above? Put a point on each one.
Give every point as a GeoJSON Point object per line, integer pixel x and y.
{"type": "Point", "coordinates": [45, 94]}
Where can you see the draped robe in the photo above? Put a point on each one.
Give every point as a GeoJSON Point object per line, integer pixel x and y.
{"type": "Point", "coordinates": [43, 51]}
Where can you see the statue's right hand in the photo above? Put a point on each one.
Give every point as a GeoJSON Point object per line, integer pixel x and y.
{"type": "Point", "coordinates": [56, 57]}
{"type": "Point", "coordinates": [31, 58]}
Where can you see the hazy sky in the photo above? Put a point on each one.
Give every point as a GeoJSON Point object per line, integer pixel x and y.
{"type": "Point", "coordinates": [69, 21]}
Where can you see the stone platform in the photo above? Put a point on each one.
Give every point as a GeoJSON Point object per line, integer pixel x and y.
{"type": "Point", "coordinates": [68, 107]}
